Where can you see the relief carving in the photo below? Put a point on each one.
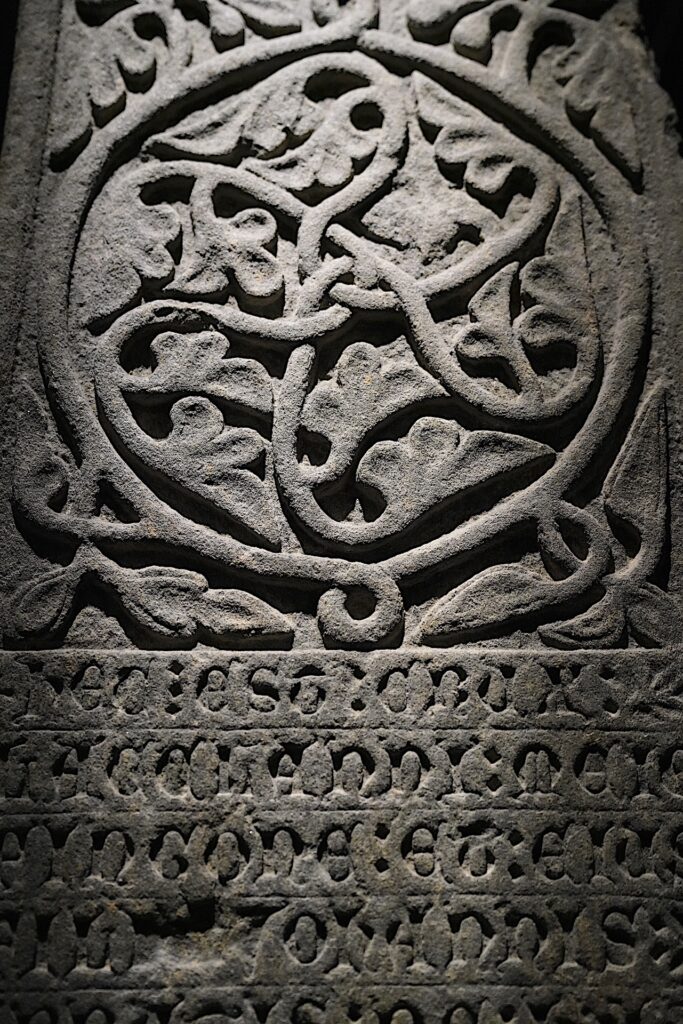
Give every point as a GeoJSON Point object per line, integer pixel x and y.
{"type": "Point", "coordinates": [281, 322]}
{"type": "Point", "coordinates": [341, 673]}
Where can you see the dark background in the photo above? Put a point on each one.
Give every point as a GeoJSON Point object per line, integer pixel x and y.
{"type": "Point", "coordinates": [662, 22]}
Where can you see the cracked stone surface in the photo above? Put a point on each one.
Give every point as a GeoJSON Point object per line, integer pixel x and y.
{"type": "Point", "coordinates": [340, 670]}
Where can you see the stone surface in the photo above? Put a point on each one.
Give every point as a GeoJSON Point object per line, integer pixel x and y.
{"type": "Point", "coordinates": [341, 675]}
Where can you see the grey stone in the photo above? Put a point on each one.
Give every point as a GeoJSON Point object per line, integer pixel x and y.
{"type": "Point", "coordinates": [341, 671]}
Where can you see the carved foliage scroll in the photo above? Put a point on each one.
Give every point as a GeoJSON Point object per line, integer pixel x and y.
{"type": "Point", "coordinates": [342, 358]}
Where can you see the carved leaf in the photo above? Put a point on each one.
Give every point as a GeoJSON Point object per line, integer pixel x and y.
{"type": "Point", "coordinates": [556, 290]}
{"type": "Point", "coordinates": [493, 600]}
{"type": "Point", "coordinates": [483, 163]}
{"type": "Point", "coordinates": [473, 34]}
{"type": "Point", "coordinates": [490, 340]}
{"type": "Point", "coordinates": [484, 156]}
{"type": "Point", "coordinates": [368, 386]}
{"type": "Point", "coordinates": [600, 626]}
{"type": "Point", "coordinates": [635, 489]}
{"type": "Point", "coordinates": [226, 24]}
{"type": "Point", "coordinates": [118, 264]}
{"type": "Point", "coordinates": [178, 603]}
{"type": "Point", "coordinates": [211, 133]}
{"type": "Point", "coordinates": [597, 95]}
{"type": "Point", "coordinates": [314, 143]}
{"type": "Point", "coordinates": [544, 353]}
{"type": "Point", "coordinates": [41, 473]}
{"type": "Point", "coordinates": [448, 461]}
{"type": "Point", "coordinates": [432, 20]}
{"type": "Point", "coordinates": [217, 132]}
{"type": "Point", "coordinates": [124, 52]}
{"type": "Point", "coordinates": [127, 47]}
{"type": "Point", "coordinates": [475, 30]}
{"type": "Point", "coordinates": [234, 612]}
{"type": "Point", "coordinates": [474, 24]}
{"type": "Point", "coordinates": [221, 462]}
{"type": "Point", "coordinates": [635, 499]}
{"type": "Point", "coordinates": [654, 617]}
{"type": "Point", "coordinates": [328, 159]}
{"type": "Point", "coordinates": [124, 249]}
{"type": "Point", "coordinates": [227, 19]}
{"type": "Point", "coordinates": [298, 116]}
{"type": "Point", "coordinates": [43, 605]}
{"type": "Point", "coordinates": [199, 363]}
{"type": "Point", "coordinates": [427, 222]}
{"type": "Point", "coordinates": [163, 600]}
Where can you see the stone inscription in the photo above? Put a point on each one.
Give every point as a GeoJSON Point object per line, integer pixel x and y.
{"type": "Point", "coordinates": [341, 676]}
{"type": "Point", "coordinates": [319, 838]}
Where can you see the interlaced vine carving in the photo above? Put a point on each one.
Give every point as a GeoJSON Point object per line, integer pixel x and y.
{"type": "Point", "coordinates": [338, 354]}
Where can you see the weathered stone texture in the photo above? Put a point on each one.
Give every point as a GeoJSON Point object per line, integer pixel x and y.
{"type": "Point", "coordinates": [341, 675]}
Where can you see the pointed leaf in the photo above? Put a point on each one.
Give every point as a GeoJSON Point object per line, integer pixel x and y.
{"type": "Point", "coordinates": [43, 605]}
{"type": "Point", "coordinates": [654, 617]}
{"type": "Point", "coordinates": [178, 603]}
{"type": "Point", "coordinates": [234, 612]}
{"type": "Point", "coordinates": [602, 625]}
{"type": "Point", "coordinates": [635, 491]}
{"type": "Point", "coordinates": [495, 293]}
{"type": "Point", "coordinates": [162, 599]}
{"type": "Point", "coordinates": [491, 602]}
{"type": "Point", "coordinates": [209, 133]}
{"type": "Point", "coordinates": [597, 92]}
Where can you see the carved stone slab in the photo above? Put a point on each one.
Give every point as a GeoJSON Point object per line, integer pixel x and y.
{"type": "Point", "coordinates": [341, 673]}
